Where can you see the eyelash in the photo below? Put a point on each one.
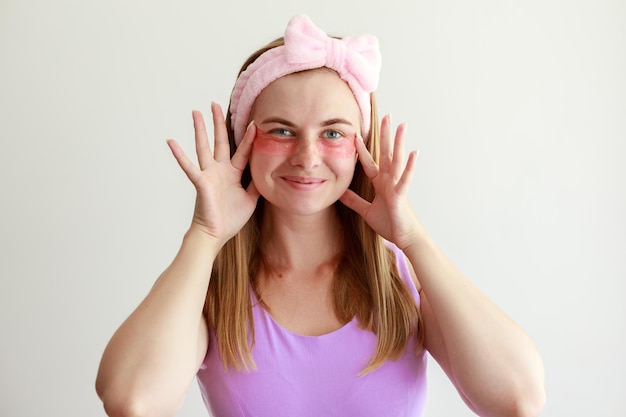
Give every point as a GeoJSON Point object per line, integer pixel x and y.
{"type": "Point", "coordinates": [339, 134]}
{"type": "Point", "coordinates": [283, 132]}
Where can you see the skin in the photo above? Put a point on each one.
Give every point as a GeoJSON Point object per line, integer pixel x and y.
{"type": "Point", "coordinates": [270, 143]}
{"type": "Point", "coordinates": [154, 356]}
{"type": "Point", "coordinates": [316, 114]}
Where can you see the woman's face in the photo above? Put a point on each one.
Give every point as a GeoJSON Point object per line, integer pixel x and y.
{"type": "Point", "coordinates": [304, 155]}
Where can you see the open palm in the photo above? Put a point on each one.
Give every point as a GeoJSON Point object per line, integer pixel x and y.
{"type": "Point", "coordinates": [389, 214]}
{"type": "Point", "coordinates": [223, 206]}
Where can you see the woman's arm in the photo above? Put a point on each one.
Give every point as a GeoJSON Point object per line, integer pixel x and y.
{"type": "Point", "coordinates": [150, 361]}
{"type": "Point", "coordinates": [152, 358]}
{"type": "Point", "coordinates": [491, 361]}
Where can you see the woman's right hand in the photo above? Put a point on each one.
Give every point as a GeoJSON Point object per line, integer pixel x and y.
{"type": "Point", "coordinates": [222, 205]}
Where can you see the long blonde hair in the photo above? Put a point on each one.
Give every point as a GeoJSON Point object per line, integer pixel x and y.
{"type": "Point", "coordinates": [367, 284]}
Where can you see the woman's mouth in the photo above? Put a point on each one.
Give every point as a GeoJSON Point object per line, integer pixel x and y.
{"type": "Point", "coordinates": [303, 183]}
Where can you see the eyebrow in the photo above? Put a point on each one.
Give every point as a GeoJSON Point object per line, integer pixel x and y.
{"type": "Point", "coordinates": [286, 122]}
{"type": "Point", "coordinates": [278, 120]}
{"type": "Point", "coordinates": [336, 121]}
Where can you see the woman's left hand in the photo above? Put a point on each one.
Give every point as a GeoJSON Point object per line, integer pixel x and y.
{"type": "Point", "coordinates": [389, 214]}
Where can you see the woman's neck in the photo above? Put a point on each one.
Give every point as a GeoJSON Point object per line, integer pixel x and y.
{"type": "Point", "coordinates": [301, 243]}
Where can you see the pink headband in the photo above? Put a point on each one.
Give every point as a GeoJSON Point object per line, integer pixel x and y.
{"type": "Point", "coordinates": [355, 59]}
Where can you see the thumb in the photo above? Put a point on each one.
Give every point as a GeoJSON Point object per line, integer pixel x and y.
{"type": "Point", "coordinates": [355, 202]}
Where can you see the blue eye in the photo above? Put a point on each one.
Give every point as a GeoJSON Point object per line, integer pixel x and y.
{"type": "Point", "coordinates": [282, 132]}
{"type": "Point", "coordinates": [332, 134]}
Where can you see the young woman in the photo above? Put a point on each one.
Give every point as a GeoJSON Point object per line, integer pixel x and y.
{"type": "Point", "coordinates": [306, 285]}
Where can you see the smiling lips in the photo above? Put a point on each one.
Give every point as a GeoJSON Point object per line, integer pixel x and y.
{"type": "Point", "coordinates": [303, 183]}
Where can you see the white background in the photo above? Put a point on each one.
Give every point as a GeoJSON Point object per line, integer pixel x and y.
{"type": "Point", "coordinates": [518, 109]}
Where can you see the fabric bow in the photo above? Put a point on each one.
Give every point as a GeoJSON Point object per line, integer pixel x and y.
{"type": "Point", "coordinates": [356, 59]}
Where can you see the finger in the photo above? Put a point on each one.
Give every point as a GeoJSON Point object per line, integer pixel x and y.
{"type": "Point", "coordinates": [220, 134]}
{"type": "Point", "coordinates": [367, 161]}
{"type": "Point", "coordinates": [397, 163]}
{"type": "Point", "coordinates": [202, 141]}
{"type": "Point", "coordinates": [386, 147]}
{"type": "Point", "coordinates": [355, 202]}
{"type": "Point", "coordinates": [252, 191]}
{"type": "Point", "coordinates": [242, 155]}
{"type": "Point", "coordinates": [184, 162]}
{"type": "Point", "coordinates": [407, 174]}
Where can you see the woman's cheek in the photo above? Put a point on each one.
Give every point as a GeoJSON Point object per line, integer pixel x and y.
{"type": "Point", "coordinates": [267, 145]}
{"type": "Point", "coordinates": [343, 148]}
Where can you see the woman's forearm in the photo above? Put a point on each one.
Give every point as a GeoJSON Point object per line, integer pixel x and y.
{"type": "Point", "coordinates": [152, 358]}
{"type": "Point", "coordinates": [491, 360]}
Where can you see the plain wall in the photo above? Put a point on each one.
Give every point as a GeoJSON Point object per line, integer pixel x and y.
{"type": "Point", "coordinates": [517, 107]}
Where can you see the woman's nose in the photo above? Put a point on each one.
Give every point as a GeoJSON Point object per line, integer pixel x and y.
{"type": "Point", "coordinates": [306, 155]}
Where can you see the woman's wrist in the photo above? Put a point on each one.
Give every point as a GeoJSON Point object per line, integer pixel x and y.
{"type": "Point", "coordinates": [418, 243]}
{"type": "Point", "coordinates": [201, 240]}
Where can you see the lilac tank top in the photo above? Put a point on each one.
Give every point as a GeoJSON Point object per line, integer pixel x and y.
{"type": "Point", "coordinates": [301, 376]}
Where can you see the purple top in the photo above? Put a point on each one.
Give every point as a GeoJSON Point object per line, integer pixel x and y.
{"type": "Point", "coordinates": [315, 375]}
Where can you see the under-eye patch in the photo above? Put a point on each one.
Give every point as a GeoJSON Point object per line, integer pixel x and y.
{"type": "Point", "coordinates": [272, 144]}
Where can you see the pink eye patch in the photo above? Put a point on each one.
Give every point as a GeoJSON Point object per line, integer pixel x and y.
{"type": "Point", "coordinates": [270, 144]}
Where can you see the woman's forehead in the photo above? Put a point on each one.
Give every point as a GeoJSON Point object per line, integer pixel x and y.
{"type": "Point", "coordinates": [313, 93]}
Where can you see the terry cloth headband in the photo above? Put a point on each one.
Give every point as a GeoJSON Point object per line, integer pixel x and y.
{"type": "Point", "coordinates": [355, 59]}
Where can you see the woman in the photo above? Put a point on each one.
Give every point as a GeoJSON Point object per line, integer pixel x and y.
{"type": "Point", "coordinates": [305, 284]}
